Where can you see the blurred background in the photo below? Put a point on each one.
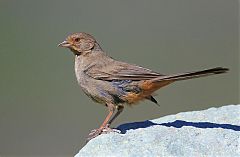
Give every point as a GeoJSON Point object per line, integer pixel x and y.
{"type": "Point", "coordinates": [43, 112]}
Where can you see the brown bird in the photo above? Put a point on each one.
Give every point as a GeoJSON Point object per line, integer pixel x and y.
{"type": "Point", "coordinates": [114, 83]}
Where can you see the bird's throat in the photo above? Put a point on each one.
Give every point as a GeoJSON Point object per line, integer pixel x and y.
{"type": "Point", "coordinates": [75, 52]}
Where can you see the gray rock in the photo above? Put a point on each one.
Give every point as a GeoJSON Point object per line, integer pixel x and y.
{"type": "Point", "coordinates": [212, 132]}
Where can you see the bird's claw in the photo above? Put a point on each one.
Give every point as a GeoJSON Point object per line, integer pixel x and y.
{"type": "Point", "coordinates": [94, 133]}
{"type": "Point", "coordinates": [107, 129]}
{"type": "Point", "coordinates": [104, 130]}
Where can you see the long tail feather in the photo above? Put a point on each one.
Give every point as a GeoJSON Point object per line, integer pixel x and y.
{"type": "Point", "coordinates": [190, 75]}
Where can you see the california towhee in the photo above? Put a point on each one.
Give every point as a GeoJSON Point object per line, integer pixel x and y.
{"type": "Point", "coordinates": [114, 83]}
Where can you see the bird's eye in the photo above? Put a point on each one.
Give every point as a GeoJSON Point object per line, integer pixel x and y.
{"type": "Point", "coordinates": [77, 39]}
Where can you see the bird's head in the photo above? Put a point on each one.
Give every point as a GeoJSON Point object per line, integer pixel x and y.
{"type": "Point", "coordinates": [80, 43]}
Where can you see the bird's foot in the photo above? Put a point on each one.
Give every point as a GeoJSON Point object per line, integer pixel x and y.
{"type": "Point", "coordinates": [107, 130]}
{"type": "Point", "coordinates": [103, 130]}
{"type": "Point", "coordinates": [94, 133]}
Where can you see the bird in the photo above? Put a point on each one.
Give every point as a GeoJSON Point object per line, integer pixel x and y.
{"type": "Point", "coordinates": [114, 83]}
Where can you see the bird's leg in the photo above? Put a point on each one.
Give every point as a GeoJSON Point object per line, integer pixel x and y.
{"type": "Point", "coordinates": [119, 110]}
{"type": "Point", "coordinates": [111, 109]}
{"type": "Point", "coordinates": [95, 133]}
{"type": "Point", "coordinates": [107, 128]}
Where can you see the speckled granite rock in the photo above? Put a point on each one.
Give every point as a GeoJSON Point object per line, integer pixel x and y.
{"type": "Point", "coordinates": [212, 132]}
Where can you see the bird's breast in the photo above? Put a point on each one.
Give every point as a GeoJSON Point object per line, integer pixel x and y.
{"type": "Point", "coordinates": [80, 65]}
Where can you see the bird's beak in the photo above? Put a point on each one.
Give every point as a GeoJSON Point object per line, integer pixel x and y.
{"type": "Point", "coordinates": [64, 44]}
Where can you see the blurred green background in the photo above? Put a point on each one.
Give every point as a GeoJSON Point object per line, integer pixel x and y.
{"type": "Point", "coordinates": [43, 112]}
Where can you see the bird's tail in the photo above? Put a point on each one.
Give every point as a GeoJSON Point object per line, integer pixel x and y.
{"type": "Point", "coordinates": [190, 75]}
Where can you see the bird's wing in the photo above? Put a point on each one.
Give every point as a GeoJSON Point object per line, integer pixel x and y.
{"type": "Point", "coordinates": [121, 71]}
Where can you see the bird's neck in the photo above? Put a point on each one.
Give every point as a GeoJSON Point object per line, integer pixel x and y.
{"type": "Point", "coordinates": [84, 60]}
{"type": "Point", "coordinates": [97, 47]}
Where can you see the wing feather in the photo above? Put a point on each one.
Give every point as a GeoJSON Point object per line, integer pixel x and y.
{"type": "Point", "coordinates": [121, 71]}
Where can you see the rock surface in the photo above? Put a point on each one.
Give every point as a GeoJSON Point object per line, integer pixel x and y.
{"type": "Point", "coordinates": [211, 132]}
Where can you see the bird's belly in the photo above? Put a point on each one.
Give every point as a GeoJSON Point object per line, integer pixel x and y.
{"type": "Point", "coordinates": [99, 91]}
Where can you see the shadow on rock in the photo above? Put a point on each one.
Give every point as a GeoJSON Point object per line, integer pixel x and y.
{"type": "Point", "coordinates": [177, 124]}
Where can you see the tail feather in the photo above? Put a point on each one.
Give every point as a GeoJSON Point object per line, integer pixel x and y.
{"type": "Point", "coordinates": [190, 75]}
{"type": "Point", "coordinates": [152, 99]}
